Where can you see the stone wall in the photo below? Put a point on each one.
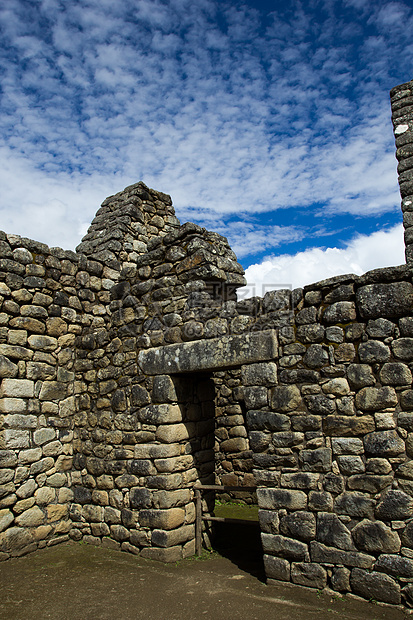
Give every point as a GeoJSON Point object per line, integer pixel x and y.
{"type": "Point", "coordinates": [130, 373]}
{"type": "Point", "coordinates": [332, 440]}
{"type": "Point", "coordinates": [402, 115]}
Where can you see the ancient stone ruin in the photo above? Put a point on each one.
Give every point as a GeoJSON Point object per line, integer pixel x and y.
{"type": "Point", "coordinates": [130, 373]}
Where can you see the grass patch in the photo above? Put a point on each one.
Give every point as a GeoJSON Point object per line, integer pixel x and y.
{"type": "Point", "coordinates": [234, 510]}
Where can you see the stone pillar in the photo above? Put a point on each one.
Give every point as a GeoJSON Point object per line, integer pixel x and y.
{"type": "Point", "coordinates": [402, 115]}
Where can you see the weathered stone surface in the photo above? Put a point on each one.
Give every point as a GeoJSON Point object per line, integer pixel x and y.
{"type": "Point", "coordinates": [6, 519]}
{"type": "Point", "coordinates": [300, 480]}
{"type": "Point", "coordinates": [17, 388]}
{"type": "Point", "coordinates": [210, 354]}
{"type": "Point", "coordinates": [15, 538]}
{"type": "Point", "coordinates": [7, 368]}
{"type": "Point", "coordinates": [375, 399]}
{"type": "Point", "coordinates": [340, 312]}
{"type": "Point", "coordinates": [316, 356]}
{"type": "Point", "coordinates": [320, 501]}
{"type": "Point", "coordinates": [163, 390]}
{"type": "Point", "coordinates": [360, 375]}
{"type": "Point", "coordinates": [395, 565]}
{"type": "Point", "coordinates": [160, 414]}
{"type": "Point", "coordinates": [322, 553]}
{"type": "Point", "coordinates": [320, 404]}
{"type": "Point", "coordinates": [347, 445]}
{"type": "Point", "coordinates": [394, 505]}
{"type": "Point", "coordinates": [284, 547]}
{"type": "Point", "coordinates": [392, 299]}
{"type": "Point", "coordinates": [162, 519]}
{"type": "Point", "coordinates": [276, 568]}
{"type": "Point", "coordinates": [380, 328]}
{"type": "Point", "coordinates": [374, 351]}
{"type": "Point", "coordinates": [354, 504]}
{"type": "Point", "coordinates": [300, 524]}
{"type": "Point", "coordinates": [337, 386]}
{"type": "Point", "coordinates": [395, 373]}
{"type": "Point", "coordinates": [265, 420]}
{"type": "Point", "coordinates": [376, 586]}
{"type": "Point", "coordinates": [285, 398]}
{"type": "Point", "coordinates": [172, 433]}
{"type": "Point", "coordinates": [255, 396]}
{"type": "Point", "coordinates": [332, 532]}
{"type": "Point", "coordinates": [165, 538]}
{"type": "Point", "coordinates": [369, 483]}
{"type": "Point", "coordinates": [384, 443]}
{"type": "Point", "coordinates": [316, 460]}
{"type": "Point", "coordinates": [340, 579]}
{"type": "Point", "coordinates": [273, 499]}
{"type": "Point", "coordinates": [375, 537]}
{"type": "Point", "coordinates": [403, 349]}
{"type": "Point", "coordinates": [170, 554]}
{"type": "Point", "coordinates": [348, 426]}
{"type": "Point", "coordinates": [264, 373]}
{"type": "Point", "coordinates": [308, 574]}
{"type": "Point", "coordinates": [31, 518]}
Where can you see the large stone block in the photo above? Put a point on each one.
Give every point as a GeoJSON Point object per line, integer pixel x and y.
{"type": "Point", "coordinates": [309, 574]}
{"type": "Point", "coordinates": [15, 539]}
{"type": "Point", "coordinates": [354, 504]}
{"type": "Point", "coordinates": [375, 399]}
{"type": "Point", "coordinates": [403, 349]}
{"type": "Point", "coordinates": [299, 524]}
{"type": "Point", "coordinates": [17, 388]}
{"type": "Point", "coordinates": [376, 586]}
{"type": "Point", "coordinates": [273, 499]}
{"type": "Point", "coordinates": [395, 373]}
{"type": "Point", "coordinates": [374, 352]}
{"type": "Point", "coordinates": [375, 537]}
{"type": "Point", "coordinates": [31, 518]}
{"type": "Point", "coordinates": [276, 568]}
{"type": "Point", "coordinates": [264, 420]}
{"type": "Point", "coordinates": [284, 547]}
{"type": "Point", "coordinates": [170, 538]}
{"type": "Point", "coordinates": [394, 505]}
{"type": "Point", "coordinates": [331, 555]}
{"type": "Point", "coordinates": [163, 390]}
{"type": "Point", "coordinates": [53, 390]}
{"type": "Point", "coordinates": [262, 373]}
{"type": "Point", "coordinates": [384, 443]}
{"type": "Point", "coordinates": [340, 312]}
{"type": "Point", "coordinates": [285, 398]}
{"type": "Point", "coordinates": [347, 445]}
{"type": "Point", "coordinates": [332, 532]}
{"type": "Point", "coordinates": [7, 368]}
{"type": "Point", "coordinates": [360, 375]}
{"type": "Point", "coordinates": [390, 299]}
{"type": "Point", "coordinates": [168, 519]}
{"type": "Point", "coordinates": [316, 460]}
{"type": "Point", "coordinates": [160, 414]}
{"type": "Point", "coordinates": [172, 433]}
{"type": "Point", "coordinates": [210, 354]}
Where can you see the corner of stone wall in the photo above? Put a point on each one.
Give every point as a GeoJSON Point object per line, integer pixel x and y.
{"type": "Point", "coordinates": [401, 98]}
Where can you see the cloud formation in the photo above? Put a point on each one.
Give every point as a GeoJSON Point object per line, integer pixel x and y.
{"type": "Point", "coordinates": [268, 122]}
{"type": "Point", "coordinates": [363, 253]}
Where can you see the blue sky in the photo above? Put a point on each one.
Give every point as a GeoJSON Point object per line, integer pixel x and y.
{"type": "Point", "coordinates": [266, 121]}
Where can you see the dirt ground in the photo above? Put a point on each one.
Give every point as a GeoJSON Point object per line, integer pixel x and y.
{"type": "Point", "coordinates": [75, 581]}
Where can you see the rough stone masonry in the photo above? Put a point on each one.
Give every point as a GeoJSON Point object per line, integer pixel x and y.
{"type": "Point", "coordinates": [130, 372]}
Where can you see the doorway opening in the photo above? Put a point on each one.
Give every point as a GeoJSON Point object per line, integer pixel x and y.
{"type": "Point", "coordinates": [214, 415]}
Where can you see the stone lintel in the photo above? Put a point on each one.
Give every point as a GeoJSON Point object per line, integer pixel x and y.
{"type": "Point", "coordinates": [213, 354]}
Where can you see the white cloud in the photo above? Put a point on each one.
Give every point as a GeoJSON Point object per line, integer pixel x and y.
{"type": "Point", "coordinates": [380, 249]}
